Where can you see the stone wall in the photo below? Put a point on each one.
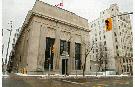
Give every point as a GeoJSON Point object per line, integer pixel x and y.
{"type": "Point", "coordinates": [57, 23]}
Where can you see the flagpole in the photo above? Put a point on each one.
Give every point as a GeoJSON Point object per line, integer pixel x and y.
{"type": "Point", "coordinates": [62, 3]}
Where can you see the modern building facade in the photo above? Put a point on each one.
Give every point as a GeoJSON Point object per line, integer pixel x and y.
{"type": "Point", "coordinates": [113, 48]}
{"type": "Point", "coordinates": [52, 39]}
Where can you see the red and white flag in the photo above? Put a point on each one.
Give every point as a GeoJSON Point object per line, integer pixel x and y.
{"type": "Point", "coordinates": [59, 5]}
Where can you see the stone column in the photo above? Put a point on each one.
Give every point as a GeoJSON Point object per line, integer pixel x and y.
{"type": "Point", "coordinates": [21, 58]}
{"type": "Point", "coordinates": [57, 48]}
{"type": "Point", "coordinates": [72, 53]}
{"type": "Point", "coordinates": [25, 46]}
{"type": "Point", "coordinates": [41, 54]}
{"type": "Point", "coordinates": [43, 48]}
{"type": "Point", "coordinates": [33, 49]}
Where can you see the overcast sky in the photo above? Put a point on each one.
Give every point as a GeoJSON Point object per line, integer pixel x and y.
{"type": "Point", "coordinates": [16, 10]}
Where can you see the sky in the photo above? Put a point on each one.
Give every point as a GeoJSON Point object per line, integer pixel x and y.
{"type": "Point", "coordinates": [16, 11]}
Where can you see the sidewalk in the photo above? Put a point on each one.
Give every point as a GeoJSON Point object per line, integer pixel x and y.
{"type": "Point", "coordinates": [70, 76]}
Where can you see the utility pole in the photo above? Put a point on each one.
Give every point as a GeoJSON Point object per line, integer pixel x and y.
{"type": "Point", "coordinates": [9, 40]}
{"type": "Point", "coordinates": [2, 54]}
{"type": "Point", "coordinates": [2, 44]}
{"type": "Point", "coordinates": [2, 47]}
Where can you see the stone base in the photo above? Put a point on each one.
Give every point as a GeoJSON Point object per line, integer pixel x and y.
{"type": "Point", "coordinates": [42, 72]}
{"type": "Point", "coordinates": [79, 72]}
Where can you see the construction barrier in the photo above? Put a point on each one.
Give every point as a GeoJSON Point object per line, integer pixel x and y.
{"type": "Point", "coordinates": [23, 70]}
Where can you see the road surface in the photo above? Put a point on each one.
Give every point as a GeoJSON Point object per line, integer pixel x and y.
{"type": "Point", "coordinates": [24, 81]}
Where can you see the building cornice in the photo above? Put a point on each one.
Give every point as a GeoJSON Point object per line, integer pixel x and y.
{"type": "Point", "coordinates": [53, 19]}
{"type": "Point", "coordinates": [31, 14]}
{"type": "Point", "coordinates": [60, 21]}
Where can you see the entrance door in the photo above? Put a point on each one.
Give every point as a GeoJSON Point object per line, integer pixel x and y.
{"type": "Point", "coordinates": [64, 66]}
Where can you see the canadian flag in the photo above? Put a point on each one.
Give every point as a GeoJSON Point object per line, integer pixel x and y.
{"type": "Point", "coordinates": [59, 5]}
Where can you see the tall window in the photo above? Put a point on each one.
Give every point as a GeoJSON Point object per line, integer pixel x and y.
{"type": "Point", "coordinates": [49, 53]}
{"type": "Point", "coordinates": [123, 60]}
{"type": "Point", "coordinates": [131, 55]}
{"type": "Point", "coordinates": [104, 42]}
{"type": "Point", "coordinates": [115, 34]}
{"type": "Point", "coordinates": [127, 68]}
{"type": "Point", "coordinates": [96, 50]}
{"type": "Point", "coordinates": [95, 39]}
{"type": "Point", "coordinates": [100, 38]}
{"type": "Point", "coordinates": [78, 56]}
{"type": "Point", "coordinates": [131, 49]}
{"type": "Point", "coordinates": [20, 58]}
{"type": "Point", "coordinates": [124, 68]}
{"type": "Point", "coordinates": [116, 47]}
{"type": "Point", "coordinates": [117, 54]}
{"type": "Point", "coordinates": [115, 39]}
{"type": "Point", "coordinates": [120, 33]}
{"type": "Point", "coordinates": [99, 32]}
{"type": "Point", "coordinates": [127, 60]}
{"type": "Point", "coordinates": [119, 27]}
{"type": "Point", "coordinates": [130, 68]}
{"type": "Point", "coordinates": [104, 36]}
{"type": "Point", "coordinates": [105, 48]}
{"type": "Point", "coordinates": [64, 46]}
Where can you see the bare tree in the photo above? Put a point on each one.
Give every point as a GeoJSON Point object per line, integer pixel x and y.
{"type": "Point", "coordinates": [102, 57]}
{"type": "Point", "coordinates": [88, 49]}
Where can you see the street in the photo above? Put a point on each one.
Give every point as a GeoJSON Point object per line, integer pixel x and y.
{"type": "Point", "coordinates": [26, 81]}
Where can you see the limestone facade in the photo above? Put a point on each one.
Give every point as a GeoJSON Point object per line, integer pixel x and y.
{"type": "Point", "coordinates": [46, 21]}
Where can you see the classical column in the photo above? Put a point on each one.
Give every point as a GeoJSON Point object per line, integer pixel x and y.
{"type": "Point", "coordinates": [57, 47]}
{"type": "Point", "coordinates": [33, 49]}
{"type": "Point", "coordinates": [72, 53]}
{"type": "Point", "coordinates": [41, 50]}
{"type": "Point", "coordinates": [25, 46]}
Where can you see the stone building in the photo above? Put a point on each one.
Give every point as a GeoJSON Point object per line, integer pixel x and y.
{"type": "Point", "coordinates": [51, 37]}
{"type": "Point", "coordinates": [116, 45]}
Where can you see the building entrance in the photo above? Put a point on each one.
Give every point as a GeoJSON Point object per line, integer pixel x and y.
{"type": "Point", "coordinates": [64, 66]}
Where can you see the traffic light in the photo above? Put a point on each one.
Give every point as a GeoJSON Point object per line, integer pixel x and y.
{"type": "Point", "coordinates": [108, 23]}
